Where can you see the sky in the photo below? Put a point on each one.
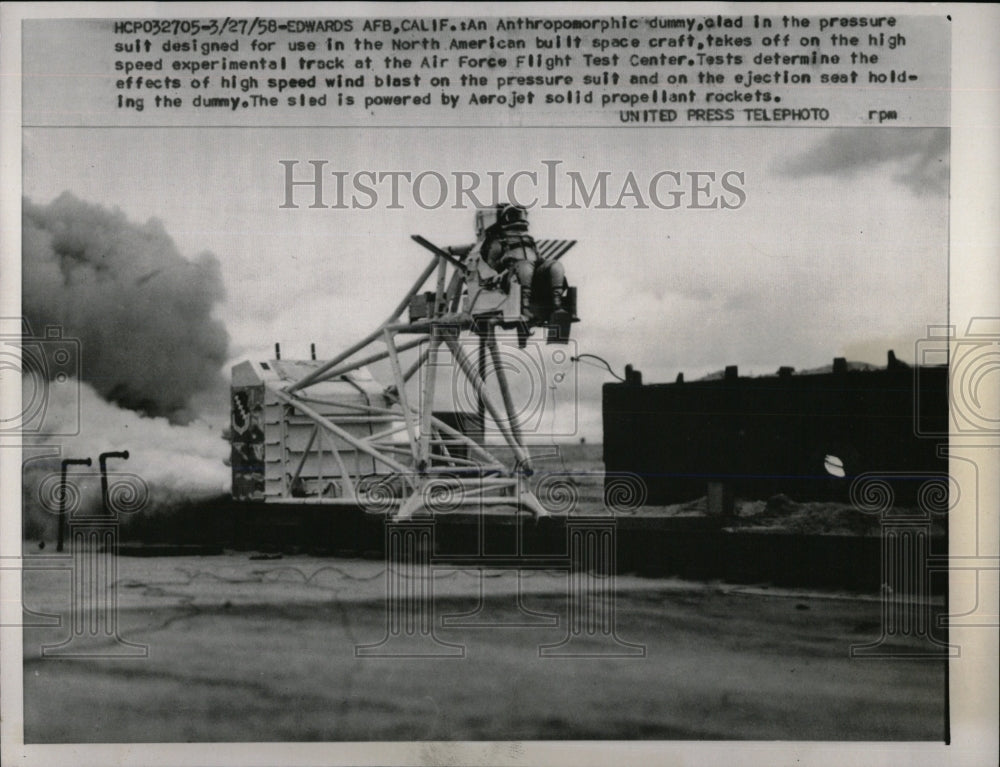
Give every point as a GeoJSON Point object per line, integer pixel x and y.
{"type": "Point", "coordinates": [840, 248]}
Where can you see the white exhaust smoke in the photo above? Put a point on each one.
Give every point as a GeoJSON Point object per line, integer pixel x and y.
{"type": "Point", "coordinates": [148, 348]}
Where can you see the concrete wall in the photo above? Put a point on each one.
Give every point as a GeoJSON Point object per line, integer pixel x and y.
{"type": "Point", "coordinates": [772, 435]}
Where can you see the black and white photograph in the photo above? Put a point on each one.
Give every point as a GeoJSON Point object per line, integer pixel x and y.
{"type": "Point", "coordinates": [451, 383]}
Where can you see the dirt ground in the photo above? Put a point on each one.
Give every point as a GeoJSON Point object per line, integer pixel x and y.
{"type": "Point", "coordinates": [243, 649]}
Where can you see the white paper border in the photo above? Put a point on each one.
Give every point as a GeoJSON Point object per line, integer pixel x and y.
{"type": "Point", "coordinates": [974, 276]}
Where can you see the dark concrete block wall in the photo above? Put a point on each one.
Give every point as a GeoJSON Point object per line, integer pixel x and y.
{"type": "Point", "coordinates": [771, 435]}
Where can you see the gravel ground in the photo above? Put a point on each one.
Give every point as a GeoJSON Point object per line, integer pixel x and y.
{"type": "Point", "coordinates": [243, 649]}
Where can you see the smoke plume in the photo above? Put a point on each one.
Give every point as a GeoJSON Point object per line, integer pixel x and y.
{"type": "Point", "coordinates": [170, 467]}
{"type": "Point", "coordinates": [141, 311]}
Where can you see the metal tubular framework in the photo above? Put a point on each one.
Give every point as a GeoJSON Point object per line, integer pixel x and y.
{"type": "Point", "coordinates": [437, 465]}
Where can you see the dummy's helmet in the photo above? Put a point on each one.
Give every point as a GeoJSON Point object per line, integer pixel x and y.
{"type": "Point", "coordinates": [514, 218]}
{"type": "Point", "coordinates": [503, 216]}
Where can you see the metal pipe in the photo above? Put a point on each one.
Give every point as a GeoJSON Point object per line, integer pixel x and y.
{"type": "Point", "coordinates": [427, 400]}
{"type": "Point", "coordinates": [436, 422]}
{"type": "Point", "coordinates": [102, 460]}
{"type": "Point", "coordinates": [392, 448]}
{"type": "Point", "coordinates": [385, 433]}
{"type": "Point", "coordinates": [401, 307]}
{"type": "Point", "coordinates": [305, 454]}
{"type": "Point", "coordinates": [312, 377]}
{"type": "Point", "coordinates": [454, 292]}
{"type": "Point", "coordinates": [341, 418]}
{"type": "Point", "coordinates": [439, 252]}
{"type": "Point", "coordinates": [480, 387]}
{"type": "Point", "coordinates": [460, 321]}
{"type": "Point", "coordinates": [508, 403]}
{"type": "Point", "coordinates": [416, 364]}
{"type": "Point", "coordinates": [345, 476]}
{"type": "Point", "coordinates": [397, 374]}
{"type": "Point", "coordinates": [439, 293]}
{"type": "Point", "coordinates": [480, 404]}
{"type": "Point", "coordinates": [330, 426]}
{"type": "Point", "coordinates": [319, 462]}
{"type": "Point", "coordinates": [454, 460]}
{"type": "Point", "coordinates": [474, 446]}
{"type": "Point", "coordinates": [376, 357]}
{"type": "Point", "coordinates": [436, 441]}
{"type": "Point", "coordinates": [351, 500]}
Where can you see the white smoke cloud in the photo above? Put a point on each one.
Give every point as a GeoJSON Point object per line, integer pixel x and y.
{"type": "Point", "coordinates": [176, 464]}
{"type": "Point", "coordinates": [186, 458]}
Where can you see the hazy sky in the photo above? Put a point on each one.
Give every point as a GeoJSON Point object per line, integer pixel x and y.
{"type": "Point", "coordinates": [839, 250]}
